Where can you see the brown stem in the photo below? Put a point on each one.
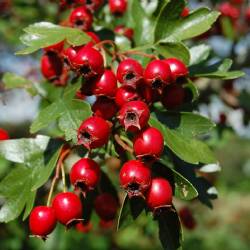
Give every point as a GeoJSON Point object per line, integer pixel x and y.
{"type": "Point", "coordinates": [123, 144]}
{"type": "Point", "coordinates": [140, 54]}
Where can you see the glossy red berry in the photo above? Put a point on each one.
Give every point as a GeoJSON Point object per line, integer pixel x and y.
{"type": "Point", "coordinates": [173, 96]}
{"type": "Point", "coordinates": [159, 194]}
{"type": "Point", "coordinates": [104, 107]}
{"type": "Point", "coordinates": [146, 93]}
{"type": "Point", "coordinates": [185, 12]}
{"type": "Point", "coordinates": [106, 206]}
{"type": "Point", "coordinates": [157, 74]}
{"type": "Point", "coordinates": [177, 67]}
{"type": "Point", "coordinates": [70, 53]}
{"type": "Point", "coordinates": [93, 133]}
{"type": "Point", "coordinates": [68, 208]}
{"type": "Point", "coordinates": [129, 72]}
{"type": "Point", "coordinates": [88, 62]}
{"type": "Point", "coordinates": [124, 31]}
{"type": "Point", "coordinates": [135, 177]}
{"type": "Point", "coordinates": [93, 5]}
{"type": "Point", "coordinates": [51, 66]}
{"type": "Point", "coordinates": [134, 115]}
{"type": "Point", "coordinates": [149, 144]}
{"type": "Point", "coordinates": [4, 135]}
{"type": "Point", "coordinates": [125, 94]}
{"type": "Point", "coordinates": [58, 47]}
{"type": "Point", "coordinates": [81, 18]}
{"type": "Point", "coordinates": [105, 85]}
{"type": "Point", "coordinates": [85, 174]}
{"type": "Point", "coordinates": [94, 39]}
{"type": "Point", "coordinates": [228, 10]}
{"type": "Point", "coordinates": [118, 7]}
{"type": "Point", "coordinates": [42, 221]}
{"type": "Point", "coordinates": [187, 218]}
{"type": "Point", "coordinates": [84, 227]}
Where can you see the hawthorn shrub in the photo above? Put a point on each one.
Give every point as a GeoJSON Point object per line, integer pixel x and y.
{"type": "Point", "coordinates": [119, 96]}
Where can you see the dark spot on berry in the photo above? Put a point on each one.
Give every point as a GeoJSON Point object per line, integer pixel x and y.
{"type": "Point", "coordinates": [133, 187]}
{"type": "Point", "coordinates": [129, 76]}
{"type": "Point", "coordinates": [79, 23]}
{"type": "Point", "coordinates": [89, 2]}
{"type": "Point", "coordinates": [157, 84]}
{"type": "Point", "coordinates": [85, 70]}
{"type": "Point", "coordinates": [131, 117]}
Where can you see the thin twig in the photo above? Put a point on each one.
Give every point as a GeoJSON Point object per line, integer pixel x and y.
{"type": "Point", "coordinates": [123, 144]}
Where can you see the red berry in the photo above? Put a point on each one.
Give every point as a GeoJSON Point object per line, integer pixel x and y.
{"type": "Point", "coordinates": [94, 39]}
{"type": "Point", "coordinates": [124, 31]}
{"type": "Point", "coordinates": [228, 10]}
{"type": "Point", "coordinates": [187, 218]}
{"type": "Point", "coordinates": [247, 15]}
{"type": "Point", "coordinates": [134, 115]}
{"type": "Point", "coordinates": [159, 194]}
{"type": "Point", "coordinates": [135, 177]}
{"type": "Point", "coordinates": [222, 118]}
{"type": "Point", "coordinates": [146, 93]}
{"type": "Point", "coordinates": [4, 135]}
{"type": "Point", "coordinates": [149, 144]}
{"type": "Point", "coordinates": [51, 66]}
{"type": "Point", "coordinates": [89, 62]}
{"type": "Point", "coordinates": [58, 47]}
{"type": "Point", "coordinates": [42, 221]}
{"type": "Point", "coordinates": [118, 7]}
{"type": "Point", "coordinates": [68, 208]}
{"type": "Point", "coordinates": [106, 84]}
{"type": "Point", "coordinates": [93, 5]}
{"type": "Point", "coordinates": [105, 108]}
{"type": "Point", "coordinates": [84, 227]}
{"type": "Point", "coordinates": [129, 72]}
{"type": "Point", "coordinates": [125, 94]}
{"type": "Point", "coordinates": [157, 74]}
{"type": "Point", "coordinates": [173, 96]}
{"type": "Point", "coordinates": [185, 12]}
{"type": "Point", "coordinates": [70, 53]}
{"type": "Point", "coordinates": [237, 1]}
{"type": "Point", "coordinates": [81, 18]}
{"type": "Point", "coordinates": [85, 174]}
{"type": "Point", "coordinates": [106, 206]}
{"type": "Point", "coordinates": [177, 67]}
{"type": "Point", "coordinates": [93, 133]}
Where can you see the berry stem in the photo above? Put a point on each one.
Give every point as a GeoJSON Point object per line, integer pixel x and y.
{"type": "Point", "coordinates": [126, 139]}
{"type": "Point", "coordinates": [63, 178]}
{"type": "Point", "coordinates": [63, 155]}
{"type": "Point", "coordinates": [123, 144]}
{"type": "Point", "coordinates": [129, 52]}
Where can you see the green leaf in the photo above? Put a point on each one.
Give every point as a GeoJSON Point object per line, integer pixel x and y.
{"type": "Point", "coordinates": [169, 28]}
{"type": "Point", "coordinates": [177, 50]}
{"type": "Point", "coordinates": [12, 81]}
{"type": "Point", "coordinates": [199, 53]}
{"type": "Point", "coordinates": [72, 117]}
{"type": "Point", "coordinates": [170, 232]}
{"type": "Point", "coordinates": [223, 75]}
{"type": "Point", "coordinates": [193, 89]}
{"type": "Point", "coordinates": [23, 150]}
{"type": "Point", "coordinates": [227, 28]}
{"type": "Point", "coordinates": [44, 34]}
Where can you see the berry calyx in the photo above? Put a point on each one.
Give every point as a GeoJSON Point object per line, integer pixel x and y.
{"type": "Point", "coordinates": [134, 115]}
{"type": "Point", "coordinates": [85, 174]}
{"type": "Point", "coordinates": [104, 107]}
{"type": "Point", "coordinates": [81, 18]}
{"type": "Point", "coordinates": [129, 72]}
{"type": "Point", "coordinates": [68, 208]}
{"type": "Point", "coordinates": [92, 5]}
{"type": "Point", "coordinates": [42, 221]}
{"type": "Point", "coordinates": [106, 206]}
{"type": "Point", "coordinates": [177, 67]}
{"type": "Point", "coordinates": [88, 62]}
{"type": "Point", "coordinates": [93, 133]}
{"type": "Point", "coordinates": [149, 144]}
{"type": "Point", "coordinates": [118, 7]}
{"type": "Point", "coordinates": [159, 194]}
{"type": "Point", "coordinates": [135, 178]}
{"type": "Point", "coordinates": [125, 94]}
{"type": "Point", "coordinates": [4, 135]}
{"type": "Point", "coordinates": [173, 96]}
{"type": "Point", "coordinates": [105, 85]}
{"type": "Point", "coordinates": [157, 74]}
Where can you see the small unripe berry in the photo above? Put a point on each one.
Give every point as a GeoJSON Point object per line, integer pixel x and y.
{"type": "Point", "coordinates": [185, 12]}
{"type": "Point", "coordinates": [106, 206]}
{"type": "Point", "coordinates": [134, 115]}
{"type": "Point", "coordinates": [157, 74]}
{"type": "Point", "coordinates": [149, 144]}
{"type": "Point", "coordinates": [129, 72]}
{"type": "Point", "coordinates": [4, 135]}
{"type": "Point", "coordinates": [84, 227]}
{"type": "Point", "coordinates": [124, 31]}
{"type": "Point", "coordinates": [81, 18]}
{"type": "Point", "coordinates": [173, 96]}
{"type": "Point", "coordinates": [177, 67]}
{"type": "Point", "coordinates": [85, 174]}
{"type": "Point", "coordinates": [187, 218]}
{"type": "Point", "coordinates": [93, 133]}
{"type": "Point", "coordinates": [42, 221]}
{"type": "Point", "coordinates": [159, 194]}
{"type": "Point", "coordinates": [68, 208]}
{"type": "Point", "coordinates": [125, 94]}
{"type": "Point", "coordinates": [88, 62]}
{"type": "Point", "coordinates": [118, 7]}
{"type": "Point", "coordinates": [105, 85]}
{"type": "Point", "coordinates": [104, 107]}
{"type": "Point", "coordinates": [135, 178]}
